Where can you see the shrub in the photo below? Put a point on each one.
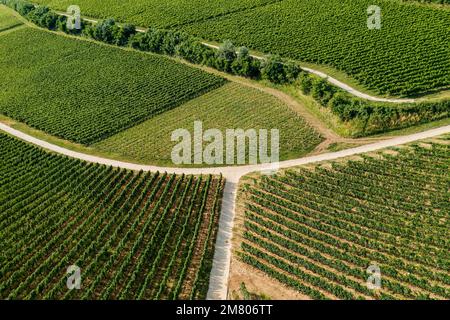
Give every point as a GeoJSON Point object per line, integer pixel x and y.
{"type": "Point", "coordinates": [105, 31]}
{"type": "Point", "coordinates": [123, 34]}
{"type": "Point", "coordinates": [305, 83]}
{"type": "Point", "coordinates": [272, 69]}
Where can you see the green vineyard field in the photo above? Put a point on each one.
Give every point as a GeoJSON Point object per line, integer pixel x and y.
{"type": "Point", "coordinates": [160, 13]}
{"type": "Point", "coordinates": [134, 235]}
{"type": "Point", "coordinates": [407, 56]}
{"type": "Point", "coordinates": [231, 106]}
{"type": "Point", "coordinates": [318, 228]}
{"type": "Point", "coordinates": [84, 92]}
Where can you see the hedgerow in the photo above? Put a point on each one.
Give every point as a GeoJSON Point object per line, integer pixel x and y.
{"type": "Point", "coordinates": [366, 117]}
{"type": "Point", "coordinates": [407, 56]}
{"type": "Point", "coordinates": [369, 117]}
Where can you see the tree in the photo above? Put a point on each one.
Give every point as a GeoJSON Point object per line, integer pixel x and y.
{"type": "Point", "coordinates": [24, 8]}
{"type": "Point", "coordinates": [243, 53]}
{"type": "Point", "coordinates": [305, 82]}
{"type": "Point", "coordinates": [272, 69]}
{"type": "Point", "coordinates": [105, 31]}
{"type": "Point", "coordinates": [292, 70]}
{"type": "Point", "coordinates": [50, 20]}
{"type": "Point", "coordinates": [135, 41]}
{"type": "Point", "coordinates": [339, 103]}
{"type": "Point", "coordinates": [245, 65]}
{"type": "Point", "coordinates": [227, 51]}
{"type": "Point", "coordinates": [36, 16]}
{"type": "Point", "coordinates": [123, 34]}
{"type": "Point", "coordinates": [226, 54]}
{"type": "Point", "coordinates": [322, 91]}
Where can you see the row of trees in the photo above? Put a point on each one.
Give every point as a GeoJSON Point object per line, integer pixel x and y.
{"type": "Point", "coordinates": [226, 58]}
{"type": "Point", "coordinates": [370, 117]}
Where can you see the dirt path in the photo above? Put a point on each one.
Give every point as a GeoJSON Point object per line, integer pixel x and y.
{"type": "Point", "coordinates": [222, 255]}
{"type": "Point", "coordinates": [321, 74]}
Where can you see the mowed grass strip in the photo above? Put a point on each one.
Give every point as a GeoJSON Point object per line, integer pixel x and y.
{"type": "Point", "coordinates": [233, 106]}
{"type": "Point", "coordinates": [134, 235]}
{"type": "Point", "coordinates": [84, 92]}
{"type": "Point", "coordinates": [8, 21]}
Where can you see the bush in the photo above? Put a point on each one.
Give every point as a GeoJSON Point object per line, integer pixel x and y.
{"type": "Point", "coordinates": [225, 56]}
{"type": "Point", "coordinates": [24, 8]}
{"type": "Point", "coordinates": [227, 51]}
{"type": "Point", "coordinates": [322, 91]}
{"type": "Point", "coordinates": [123, 34]}
{"type": "Point", "coordinates": [305, 83]}
{"type": "Point", "coordinates": [245, 65]}
{"type": "Point", "coordinates": [292, 71]}
{"type": "Point", "coordinates": [272, 69]}
{"type": "Point", "coordinates": [105, 31]}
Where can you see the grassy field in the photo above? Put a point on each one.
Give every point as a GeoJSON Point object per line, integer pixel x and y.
{"type": "Point", "coordinates": [7, 21]}
{"type": "Point", "coordinates": [229, 107]}
{"type": "Point", "coordinates": [84, 92]}
{"type": "Point", "coordinates": [132, 234]}
{"type": "Point", "coordinates": [318, 228]}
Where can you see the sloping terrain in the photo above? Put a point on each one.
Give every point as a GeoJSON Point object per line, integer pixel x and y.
{"type": "Point", "coordinates": [7, 21]}
{"type": "Point", "coordinates": [134, 235]}
{"type": "Point", "coordinates": [160, 13]}
{"type": "Point", "coordinates": [317, 229]}
{"type": "Point", "coordinates": [407, 56]}
{"type": "Point", "coordinates": [231, 106]}
{"type": "Point", "coordinates": [83, 91]}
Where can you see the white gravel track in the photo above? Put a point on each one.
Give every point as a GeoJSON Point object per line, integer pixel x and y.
{"type": "Point", "coordinates": [218, 285]}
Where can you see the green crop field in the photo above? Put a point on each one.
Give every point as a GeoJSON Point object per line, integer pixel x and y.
{"type": "Point", "coordinates": [132, 234]}
{"type": "Point", "coordinates": [318, 228]}
{"type": "Point", "coordinates": [161, 13]}
{"type": "Point", "coordinates": [83, 91]}
{"type": "Point", "coordinates": [407, 56]}
{"type": "Point", "coordinates": [86, 113]}
{"type": "Point", "coordinates": [231, 106]}
{"type": "Point", "coordinates": [7, 21]}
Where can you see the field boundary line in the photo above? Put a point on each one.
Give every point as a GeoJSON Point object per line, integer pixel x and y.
{"type": "Point", "coordinates": [220, 271]}
{"type": "Point", "coordinates": [320, 74]}
{"type": "Point", "coordinates": [231, 173]}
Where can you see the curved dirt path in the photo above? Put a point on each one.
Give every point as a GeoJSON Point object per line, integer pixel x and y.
{"type": "Point", "coordinates": [335, 82]}
{"type": "Point", "coordinates": [222, 256]}
{"type": "Point", "coordinates": [323, 75]}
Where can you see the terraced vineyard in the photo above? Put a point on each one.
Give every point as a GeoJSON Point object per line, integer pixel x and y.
{"type": "Point", "coordinates": [231, 106]}
{"type": "Point", "coordinates": [7, 21]}
{"type": "Point", "coordinates": [134, 235]}
{"type": "Point", "coordinates": [317, 229]}
{"type": "Point", "coordinates": [85, 92]}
